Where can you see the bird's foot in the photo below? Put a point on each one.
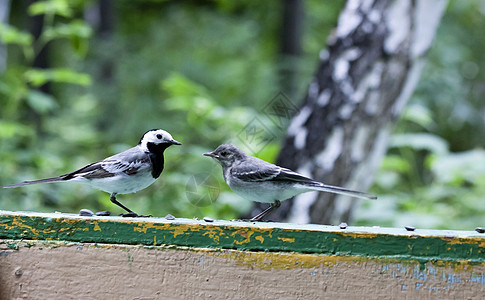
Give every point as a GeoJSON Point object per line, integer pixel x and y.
{"type": "Point", "coordinates": [87, 213]}
{"type": "Point", "coordinates": [241, 220]}
{"type": "Point", "coordinates": [259, 220]}
{"type": "Point", "coordinates": [134, 215]}
{"type": "Point", "coordinates": [250, 220]}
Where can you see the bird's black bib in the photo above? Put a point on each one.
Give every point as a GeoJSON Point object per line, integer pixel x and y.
{"type": "Point", "coordinates": [155, 152]}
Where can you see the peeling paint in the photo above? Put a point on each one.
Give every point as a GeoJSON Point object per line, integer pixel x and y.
{"type": "Point", "coordinates": [288, 240]}
{"type": "Point", "coordinates": [260, 238]}
{"type": "Point", "coordinates": [13, 246]}
{"type": "Point", "coordinates": [96, 226]}
{"type": "Point", "coordinates": [456, 249]}
{"type": "Point", "coordinates": [214, 234]}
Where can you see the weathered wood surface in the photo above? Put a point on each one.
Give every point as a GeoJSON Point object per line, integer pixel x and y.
{"type": "Point", "coordinates": [53, 255]}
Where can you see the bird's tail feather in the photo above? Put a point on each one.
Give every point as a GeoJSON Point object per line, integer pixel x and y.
{"type": "Point", "coordinates": [54, 179]}
{"type": "Point", "coordinates": [343, 191]}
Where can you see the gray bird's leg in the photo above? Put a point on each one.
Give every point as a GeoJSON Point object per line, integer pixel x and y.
{"type": "Point", "coordinates": [130, 212]}
{"type": "Point", "coordinates": [271, 207]}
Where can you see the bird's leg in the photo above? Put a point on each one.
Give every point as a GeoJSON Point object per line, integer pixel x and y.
{"type": "Point", "coordinates": [130, 213]}
{"type": "Point", "coordinates": [113, 199]}
{"type": "Point", "coordinates": [271, 207]}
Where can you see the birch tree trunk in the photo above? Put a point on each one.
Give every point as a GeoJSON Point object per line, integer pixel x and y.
{"type": "Point", "coordinates": [363, 81]}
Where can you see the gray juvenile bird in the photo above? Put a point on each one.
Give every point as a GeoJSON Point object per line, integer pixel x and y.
{"type": "Point", "coordinates": [261, 181]}
{"type": "Point", "coordinates": [126, 172]}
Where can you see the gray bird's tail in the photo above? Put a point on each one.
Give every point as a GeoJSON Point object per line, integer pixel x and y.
{"type": "Point", "coordinates": [33, 182]}
{"type": "Point", "coordinates": [343, 191]}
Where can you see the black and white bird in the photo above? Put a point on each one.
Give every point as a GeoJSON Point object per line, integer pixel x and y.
{"type": "Point", "coordinates": [261, 181]}
{"type": "Point", "coordinates": [126, 172]}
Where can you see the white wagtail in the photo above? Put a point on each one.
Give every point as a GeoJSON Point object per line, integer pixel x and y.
{"type": "Point", "coordinates": [126, 172]}
{"type": "Point", "coordinates": [261, 181]}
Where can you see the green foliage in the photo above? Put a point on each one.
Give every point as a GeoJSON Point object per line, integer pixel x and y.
{"type": "Point", "coordinates": [51, 7]}
{"type": "Point", "coordinates": [11, 35]}
{"type": "Point", "coordinates": [176, 79]}
{"type": "Point", "coordinates": [37, 77]}
{"type": "Point", "coordinates": [76, 31]}
{"type": "Point", "coordinates": [27, 113]}
{"type": "Point", "coordinates": [40, 102]}
{"type": "Point", "coordinates": [203, 72]}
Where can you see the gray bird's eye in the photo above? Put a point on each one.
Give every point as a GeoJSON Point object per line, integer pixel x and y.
{"type": "Point", "coordinates": [159, 136]}
{"type": "Point", "coordinates": [223, 153]}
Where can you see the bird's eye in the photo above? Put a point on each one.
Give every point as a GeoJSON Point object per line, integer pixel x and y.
{"type": "Point", "coordinates": [223, 153]}
{"type": "Point", "coordinates": [159, 136]}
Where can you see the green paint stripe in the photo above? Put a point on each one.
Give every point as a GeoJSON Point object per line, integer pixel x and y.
{"type": "Point", "coordinates": [422, 245]}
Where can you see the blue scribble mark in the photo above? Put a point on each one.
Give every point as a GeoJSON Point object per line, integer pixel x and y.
{"type": "Point", "coordinates": [397, 270]}
{"type": "Point", "coordinates": [432, 271]}
{"type": "Point", "coordinates": [421, 275]}
{"type": "Point", "coordinates": [453, 279]}
{"type": "Point", "coordinates": [429, 274]}
{"type": "Point", "coordinates": [479, 278]}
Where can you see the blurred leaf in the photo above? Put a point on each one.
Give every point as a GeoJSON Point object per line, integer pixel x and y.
{"type": "Point", "coordinates": [78, 32]}
{"type": "Point", "coordinates": [395, 163]}
{"type": "Point", "coordinates": [418, 114]}
{"type": "Point", "coordinates": [12, 86]}
{"type": "Point", "coordinates": [41, 102]}
{"type": "Point", "coordinates": [387, 179]}
{"type": "Point", "coordinates": [11, 129]}
{"type": "Point", "coordinates": [38, 77]}
{"type": "Point", "coordinates": [11, 35]}
{"type": "Point", "coordinates": [464, 166]}
{"type": "Point", "coordinates": [182, 92]}
{"type": "Point", "coordinates": [75, 29]}
{"type": "Point", "coordinates": [50, 7]}
{"type": "Point", "coordinates": [420, 141]}
{"type": "Point", "coordinates": [80, 45]}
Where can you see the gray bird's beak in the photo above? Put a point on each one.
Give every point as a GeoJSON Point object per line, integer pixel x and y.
{"type": "Point", "coordinates": [174, 142]}
{"type": "Point", "coordinates": [211, 154]}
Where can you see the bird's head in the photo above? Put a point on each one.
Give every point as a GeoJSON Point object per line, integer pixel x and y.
{"type": "Point", "coordinates": [226, 154]}
{"type": "Point", "coordinates": [157, 138]}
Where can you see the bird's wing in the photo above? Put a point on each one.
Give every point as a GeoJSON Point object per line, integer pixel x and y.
{"type": "Point", "coordinates": [110, 167]}
{"type": "Point", "coordinates": [129, 168]}
{"type": "Point", "coordinates": [288, 175]}
{"type": "Point", "coordinates": [259, 170]}
{"type": "Point", "coordinates": [255, 174]}
{"type": "Point", "coordinates": [129, 162]}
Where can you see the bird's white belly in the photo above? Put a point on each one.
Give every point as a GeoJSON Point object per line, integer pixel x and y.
{"type": "Point", "coordinates": [265, 192]}
{"type": "Point", "coordinates": [122, 183]}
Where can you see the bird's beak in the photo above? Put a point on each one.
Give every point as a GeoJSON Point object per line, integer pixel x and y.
{"type": "Point", "coordinates": [174, 142]}
{"type": "Point", "coordinates": [211, 154]}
